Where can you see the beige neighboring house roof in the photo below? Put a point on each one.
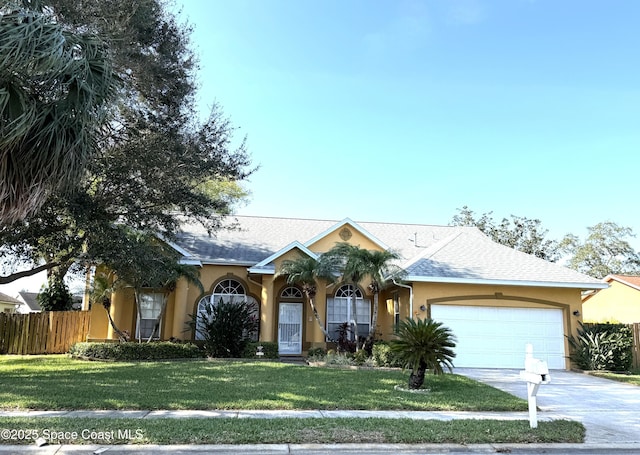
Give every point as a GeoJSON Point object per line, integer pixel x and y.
{"type": "Point", "coordinates": [4, 298]}
{"type": "Point", "coordinates": [430, 253]}
{"type": "Point", "coordinates": [633, 281]}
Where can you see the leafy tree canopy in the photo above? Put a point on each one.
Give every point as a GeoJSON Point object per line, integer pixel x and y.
{"type": "Point", "coordinates": [606, 250]}
{"type": "Point", "coordinates": [520, 233]}
{"type": "Point", "coordinates": [157, 168]}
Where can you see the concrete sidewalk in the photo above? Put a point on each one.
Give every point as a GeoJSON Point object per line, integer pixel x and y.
{"type": "Point", "coordinates": [269, 414]}
{"type": "Point", "coordinates": [321, 449]}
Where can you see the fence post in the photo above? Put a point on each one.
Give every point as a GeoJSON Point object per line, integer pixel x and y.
{"type": "Point", "coordinates": [42, 333]}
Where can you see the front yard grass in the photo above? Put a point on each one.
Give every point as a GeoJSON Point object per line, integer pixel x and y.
{"type": "Point", "coordinates": [58, 382]}
{"type": "Point", "coordinates": [632, 378]}
{"type": "Point", "coordinates": [294, 431]}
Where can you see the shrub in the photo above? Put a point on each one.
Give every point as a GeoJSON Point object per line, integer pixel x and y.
{"type": "Point", "coordinates": [270, 350]}
{"type": "Point", "coordinates": [227, 327]}
{"type": "Point", "coordinates": [602, 347]}
{"type": "Point", "coordinates": [339, 359]}
{"type": "Point", "coordinates": [383, 356]}
{"type": "Point", "coordinates": [344, 341]}
{"type": "Point", "coordinates": [422, 345]}
{"type": "Point", "coordinates": [360, 357]}
{"type": "Point", "coordinates": [316, 354]}
{"type": "Point", "coordinates": [161, 350]}
{"type": "Point", "coordinates": [56, 297]}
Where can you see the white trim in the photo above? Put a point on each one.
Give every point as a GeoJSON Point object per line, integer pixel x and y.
{"type": "Point", "coordinates": [264, 267]}
{"type": "Point", "coordinates": [617, 278]}
{"type": "Point", "coordinates": [262, 270]}
{"type": "Point", "coordinates": [548, 284]}
{"type": "Point", "coordinates": [186, 261]}
{"type": "Point", "coordinates": [355, 226]}
{"type": "Point", "coordinates": [229, 262]}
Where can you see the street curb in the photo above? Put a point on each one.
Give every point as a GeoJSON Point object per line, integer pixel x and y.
{"type": "Point", "coordinates": [318, 449]}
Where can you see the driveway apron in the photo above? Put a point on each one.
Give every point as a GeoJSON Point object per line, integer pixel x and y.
{"type": "Point", "coordinates": [609, 410]}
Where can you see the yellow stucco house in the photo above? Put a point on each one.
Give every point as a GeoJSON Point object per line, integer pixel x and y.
{"type": "Point", "coordinates": [494, 299]}
{"type": "Point", "coordinates": [619, 302]}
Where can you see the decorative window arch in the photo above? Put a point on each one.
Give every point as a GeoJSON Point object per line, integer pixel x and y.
{"type": "Point", "coordinates": [227, 290]}
{"type": "Point", "coordinates": [291, 292]}
{"type": "Point", "coordinates": [339, 310]}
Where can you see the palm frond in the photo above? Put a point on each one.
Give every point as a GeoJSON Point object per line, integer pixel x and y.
{"type": "Point", "coordinates": [55, 86]}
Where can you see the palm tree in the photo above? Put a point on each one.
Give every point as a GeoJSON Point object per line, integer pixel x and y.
{"type": "Point", "coordinates": [380, 268]}
{"type": "Point", "coordinates": [422, 345]}
{"type": "Point", "coordinates": [102, 288]}
{"type": "Point", "coordinates": [359, 263]}
{"type": "Point", "coordinates": [305, 271]}
{"type": "Point", "coordinates": [57, 85]}
{"type": "Point", "coordinates": [353, 266]}
{"type": "Point", "coordinates": [167, 279]}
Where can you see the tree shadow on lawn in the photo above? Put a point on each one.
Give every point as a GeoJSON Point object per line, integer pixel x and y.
{"type": "Point", "coordinates": [70, 384]}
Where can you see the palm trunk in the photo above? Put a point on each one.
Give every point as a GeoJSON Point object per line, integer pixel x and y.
{"type": "Point", "coordinates": [319, 321]}
{"type": "Point", "coordinates": [121, 335]}
{"type": "Point", "coordinates": [139, 310]}
{"type": "Point", "coordinates": [416, 379]}
{"type": "Point", "coordinates": [374, 318]}
{"type": "Point", "coordinates": [354, 315]}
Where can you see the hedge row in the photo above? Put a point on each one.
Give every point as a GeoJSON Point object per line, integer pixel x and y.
{"type": "Point", "coordinates": [160, 350]}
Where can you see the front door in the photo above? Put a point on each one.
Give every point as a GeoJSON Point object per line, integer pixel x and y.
{"type": "Point", "coordinates": [290, 328]}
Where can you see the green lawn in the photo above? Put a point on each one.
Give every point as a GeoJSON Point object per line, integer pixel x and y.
{"type": "Point", "coordinates": [294, 431]}
{"type": "Point", "coordinates": [58, 382]}
{"type": "Point", "coordinates": [633, 378]}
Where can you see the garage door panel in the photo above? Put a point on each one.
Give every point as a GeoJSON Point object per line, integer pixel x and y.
{"type": "Point", "coordinates": [495, 337]}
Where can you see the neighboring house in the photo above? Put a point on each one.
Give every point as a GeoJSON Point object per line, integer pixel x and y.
{"type": "Point", "coordinates": [620, 302]}
{"type": "Point", "coordinates": [8, 304]}
{"type": "Point", "coordinates": [28, 302]}
{"type": "Point", "coordinates": [494, 299]}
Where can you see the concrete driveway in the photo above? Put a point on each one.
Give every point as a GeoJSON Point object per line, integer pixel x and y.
{"type": "Point", "coordinates": [609, 410]}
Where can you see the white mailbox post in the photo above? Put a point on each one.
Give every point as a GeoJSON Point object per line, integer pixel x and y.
{"type": "Point", "coordinates": [535, 372]}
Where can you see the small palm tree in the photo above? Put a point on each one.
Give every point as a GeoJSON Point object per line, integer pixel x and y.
{"type": "Point", "coordinates": [305, 271]}
{"type": "Point", "coordinates": [422, 345]}
{"type": "Point", "coordinates": [101, 290]}
{"type": "Point", "coordinates": [353, 266]}
{"type": "Point", "coordinates": [358, 263]}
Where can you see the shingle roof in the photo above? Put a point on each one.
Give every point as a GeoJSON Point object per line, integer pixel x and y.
{"type": "Point", "coordinates": [31, 299]}
{"type": "Point", "coordinates": [629, 280]}
{"type": "Point", "coordinates": [430, 253]}
{"type": "Point", "coordinates": [4, 298]}
{"type": "Point", "coordinates": [471, 255]}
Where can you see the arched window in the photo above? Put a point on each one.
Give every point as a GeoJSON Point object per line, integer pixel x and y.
{"type": "Point", "coordinates": [339, 310]}
{"type": "Point", "coordinates": [227, 290]}
{"type": "Point", "coordinates": [291, 293]}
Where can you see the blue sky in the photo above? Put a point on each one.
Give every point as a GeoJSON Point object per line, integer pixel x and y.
{"type": "Point", "coordinates": [406, 110]}
{"type": "Point", "coordinates": [403, 111]}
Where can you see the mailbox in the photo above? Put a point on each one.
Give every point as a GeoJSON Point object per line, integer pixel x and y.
{"type": "Point", "coordinates": [535, 372]}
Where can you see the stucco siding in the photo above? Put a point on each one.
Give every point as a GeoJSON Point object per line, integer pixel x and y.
{"type": "Point", "coordinates": [618, 303]}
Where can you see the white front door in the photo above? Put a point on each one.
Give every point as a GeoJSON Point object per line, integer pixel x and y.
{"type": "Point", "coordinates": [290, 328]}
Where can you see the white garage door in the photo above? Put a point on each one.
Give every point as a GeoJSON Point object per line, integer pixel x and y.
{"type": "Point", "coordinates": [495, 337]}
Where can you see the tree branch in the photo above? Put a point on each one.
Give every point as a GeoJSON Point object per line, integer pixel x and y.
{"type": "Point", "coordinates": [25, 273]}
